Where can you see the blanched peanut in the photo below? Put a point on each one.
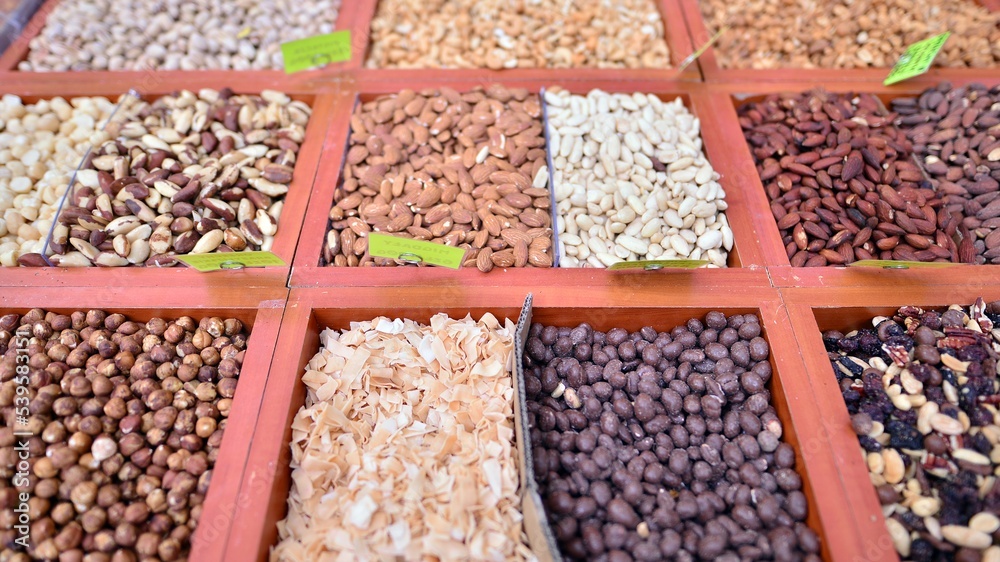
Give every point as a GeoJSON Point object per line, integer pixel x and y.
{"type": "Point", "coordinates": [632, 182]}
{"type": "Point", "coordinates": [40, 145]}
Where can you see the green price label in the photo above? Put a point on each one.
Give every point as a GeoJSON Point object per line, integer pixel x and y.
{"type": "Point", "coordinates": [415, 251]}
{"type": "Point", "coordinates": [313, 52]}
{"type": "Point", "coordinates": [894, 264]}
{"type": "Point", "coordinates": [653, 265]}
{"type": "Point", "coordinates": [230, 260]}
{"type": "Point", "coordinates": [917, 59]}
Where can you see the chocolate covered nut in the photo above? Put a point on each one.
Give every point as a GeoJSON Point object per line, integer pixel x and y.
{"type": "Point", "coordinates": [662, 444]}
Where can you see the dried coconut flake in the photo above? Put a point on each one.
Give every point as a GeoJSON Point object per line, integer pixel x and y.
{"type": "Point", "coordinates": [405, 446]}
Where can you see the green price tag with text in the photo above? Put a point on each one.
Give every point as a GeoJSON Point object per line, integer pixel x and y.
{"type": "Point", "coordinates": [230, 260]}
{"type": "Point", "coordinates": [415, 251]}
{"type": "Point", "coordinates": [317, 51]}
{"type": "Point", "coordinates": [653, 265]}
{"type": "Point", "coordinates": [917, 59]}
{"type": "Point", "coordinates": [894, 264]}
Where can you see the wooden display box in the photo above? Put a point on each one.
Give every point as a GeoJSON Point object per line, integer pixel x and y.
{"type": "Point", "coordinates": [289, 224]}
{"type": "Point", "coordinates": [260, 310]}
{"type": "Point", "coordinates": [263, 497]}
{"type": "Point", "coordinates": [276, 78]}
{"type": "Point", "coordinates": [745, 259]}
{"type": "Point", "coordinates": [713, 72]}
{"type": "Point", "coordinates": [724, 101]}
{"type": "Point", "coordinates": [675, 32]}
{"type": "Point", "coordinates": [814, 310]}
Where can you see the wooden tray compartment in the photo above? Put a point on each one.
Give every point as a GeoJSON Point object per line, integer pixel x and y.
{"type": "Point", "coordinates": [713, 72]}
{"type": "Point", "coordinates": [289, 224]}
{"type": "Point", "coordinates": [260, 310]}
{"type": "Point", "coordinates": [19, 48]}
{"type": "Point", "coordinates": [675, 32]}
{"type": "Point", "coordinates": [815, 310]}
{"type": "Point", "coordinates": [725, 100]}
{"type": "Point", "coordinates": [744, 259]}
{"type": "Point", "coordinates": [267, 479]}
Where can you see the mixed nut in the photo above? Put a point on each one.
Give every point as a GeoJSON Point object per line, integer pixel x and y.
{"type": "Point", "coordinates": [631, 181]}
{"type": "Point", "coordinates": [126, 420]}
{"type": "Point", "coordinates": [922, 387]}
{"type": "Point", "coordinates": [404, 448]}
{"type": "Point", "coordinates": [461, 169]}
{"type": "Point", "coordinates": [123, 35]}
{"type": "Point", "coordinates": [849, 33]}
{"type": "Point", "coordinates": [663, 445]}
{"type": "Point", "coordinates": [41, 143]}
{"type": "Point", "coordinates": [188, 173]}
{"type": "Point", "coordinates": [842, 181]}
{"type": "Point", "coordinates": [497, 34]}
{"type": "Point", "coordinates": [955, 133]}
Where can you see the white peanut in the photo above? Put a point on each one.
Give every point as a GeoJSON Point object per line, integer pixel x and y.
{"type": "Point", "coordinates": [40, 145]}
{"type": "Point", "coordinates": [639, 186]}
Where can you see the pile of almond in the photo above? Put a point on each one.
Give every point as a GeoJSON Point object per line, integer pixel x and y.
{"type": "Point", "coordinates": [461, 169]}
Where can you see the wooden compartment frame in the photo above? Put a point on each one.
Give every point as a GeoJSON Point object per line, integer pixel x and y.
{"type": "Point", "coordinates": [289, 224]}
{"type": "Point", "coordinates": [812, 310]}
{"type": "Point", "coordinates": [19, 48]}
{"type": "Point", "coordinates": [714, 72]}
{"type": "Point", "coordinates": [261, 310]}
{"type": "Point", "coordinates": [266, 480]}
{"type": "Point", "coordinates": [745, 260]}
{"type": "Point", "coordinates": [725, 98]}
{"type": "Point", "coordinates": [675, 31]}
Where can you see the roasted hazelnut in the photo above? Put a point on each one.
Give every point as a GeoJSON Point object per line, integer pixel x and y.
{"type": "Point", "coordinates": [93, 519]}
{"type": "Point", "coordinates": [201, 340]}
{"type": "Point", "coordinates": [174, 334]}
{"type": "Point", "coordinates": [166, 371]}
{"type": "Point", "coordinates": [62, 514]}
{"type": "Point", "coordinates": [104, 541]}
{"type": "Point", "coordinates": [83, 495]}
{"type": "Point", "coordinates": [205, 427]}
{"type": "Point", "coordinates": [157, 501]}
{"type": "Point", "coordinates": [142, 369]}
{"type": "Point", "coordinates": [159, 399]}
{"type": "Point", "coordinates": [196, 464]}
{"type": "Point", "coordinates": [115, 408]}
{"type": "Point", "coordinates": [122, 555]}
{"type": "Point", "coordinates": [45, 468]}
{"type": "Point", "coordinates": [126, 534]}
{"type": "Point", "coordinates": [91, 425]}
{"type": "Point", "coordinates": [70, 536]}
{"type": "Point", "coordinates": [61, 457]}
{"type": "Point", "coordinates": [226, 388]}
{"type": "Point", "coordinates": [47, 488]}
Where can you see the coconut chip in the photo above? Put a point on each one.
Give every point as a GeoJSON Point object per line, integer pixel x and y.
{"type": "Point", "coordinates": [405, 446]}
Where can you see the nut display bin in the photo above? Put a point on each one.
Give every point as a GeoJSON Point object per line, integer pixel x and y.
{"type": "Point", "coordinates": [289, 223]}
{"type": "Point", "coordinates": [675, 31]}
{"type": "Point", "coordinates": [744, 260]}
{"type": "Point", "coordinates": [813, 311]}
{"type": "Point", "coordinates": [727, 98]}
{"type": "Point", "coordinates": [713, 72]}
{"type": "Point", "coordinates": [19, 48]}
{"type": "Point", "coordinates": [260, 310]}
{"type": "Point", "coordinates": [267, 479]}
